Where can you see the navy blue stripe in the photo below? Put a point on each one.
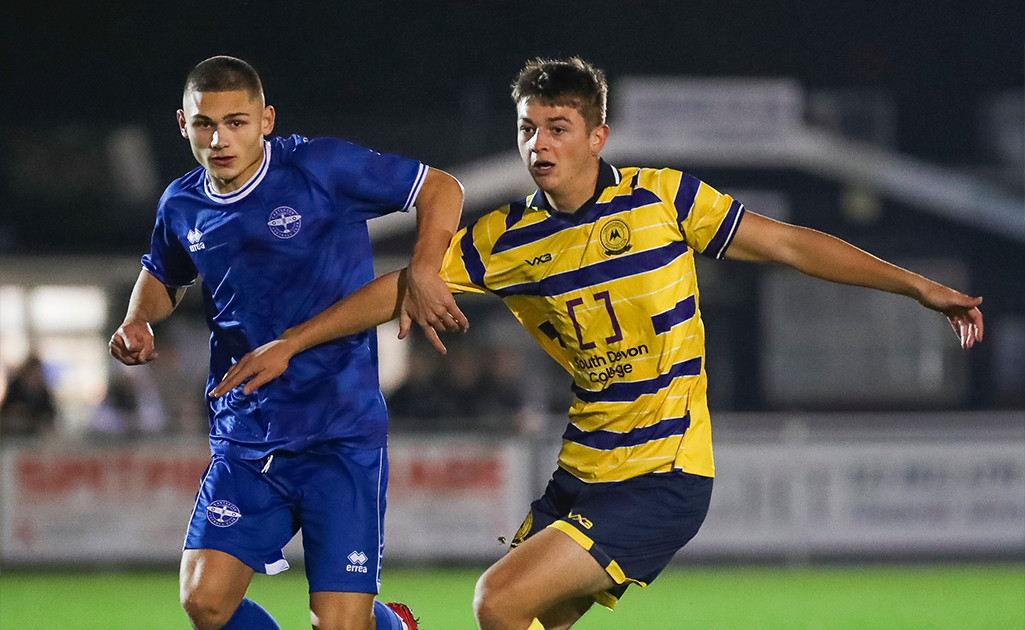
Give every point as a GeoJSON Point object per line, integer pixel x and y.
{"type": "Point", "coordinates": [724, 236]}
{"type": "Point", "coordinates": [514, 215]}
{"type": "Point", "coordinates": [608, 440]}
{"type": "Point", "coordinates": [471, 258]}
{"type": "Point", "coordinates": [595, 274]}
{"type": "Point", "coordinates": [683, 311]}
{"type": "Point", "coordinates": [627, 392]}
{"type": "Point", "coordinates": [685, 195]}
{"type": "Point", "coordinates": [527, 234]}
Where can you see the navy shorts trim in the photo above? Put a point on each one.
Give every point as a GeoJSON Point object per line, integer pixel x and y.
{"type": "Point", "coordinates": [632, 528]}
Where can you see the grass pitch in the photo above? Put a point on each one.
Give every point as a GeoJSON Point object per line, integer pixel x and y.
{"type": "Point", "coordinates": [962, 597]}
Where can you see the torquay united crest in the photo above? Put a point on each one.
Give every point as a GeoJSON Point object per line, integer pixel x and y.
{"type": "Point", "coordinates": [615, 237]}
{"type": "Point", "coordinates": [284, 222]}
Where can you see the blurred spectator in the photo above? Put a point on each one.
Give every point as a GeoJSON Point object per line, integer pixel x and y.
{"type": "Point", "coordinates": [419, 402]}
{"type": "Point", "coordinates": [132, 405]}
{"type": "Point", "coordinates": [180, 393]}
{"type": "Point", "coordinates": [28, 408]}
{"type": "Point", "coordinates": [470, 389]}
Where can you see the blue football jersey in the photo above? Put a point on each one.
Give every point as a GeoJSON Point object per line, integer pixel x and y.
{"type": "Point", "coordinates": [281, 249]}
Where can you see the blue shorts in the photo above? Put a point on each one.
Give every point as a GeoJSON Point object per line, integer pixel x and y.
{"type": "Point", "coordinates": [632, 528]}
{"type": "Point", "coordinates": [335, 494]}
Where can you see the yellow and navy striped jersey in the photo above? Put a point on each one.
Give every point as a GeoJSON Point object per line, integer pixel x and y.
{"type": "Point", "coordinates": [610, 293]}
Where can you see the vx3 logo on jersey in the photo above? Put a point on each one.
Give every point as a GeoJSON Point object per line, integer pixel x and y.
{"type": "Point", "coordinates": [543, 258]}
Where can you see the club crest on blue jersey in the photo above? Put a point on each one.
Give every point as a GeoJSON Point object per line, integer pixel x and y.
{"type": "Point", "coordinates": [284, 222]}
{"type": "Point", "coordinates": [222, 513]}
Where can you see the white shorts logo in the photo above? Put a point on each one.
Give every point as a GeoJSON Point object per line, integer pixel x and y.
{"type": "Point", "coordinates": [357, 559]}
{"type": "Point", "coordinates": [222, 513]}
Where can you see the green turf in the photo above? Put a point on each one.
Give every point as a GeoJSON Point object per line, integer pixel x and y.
{"type": "Point", "coordinates": [962, 597]}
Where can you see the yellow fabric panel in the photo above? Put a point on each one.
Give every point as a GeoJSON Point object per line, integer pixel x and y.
{"type": "Point", "coordinates": [703, 221]}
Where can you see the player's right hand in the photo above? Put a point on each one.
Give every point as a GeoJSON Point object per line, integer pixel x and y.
{"type": "Point", "coordinates": [256, 368]}
{"type": "Point", "coordinates": [133, 343]}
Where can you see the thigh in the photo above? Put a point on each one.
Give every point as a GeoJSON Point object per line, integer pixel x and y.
{"type": "Point", "coordinates": [243, 512]}
{"type": "Point", "coordinates": [545, 573]}
{"type": "Point", "coordinates": [342, 518]}
{"type": "Point", "coordinates": [213, 577]}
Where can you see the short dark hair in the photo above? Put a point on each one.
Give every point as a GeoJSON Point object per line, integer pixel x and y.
{"type": "Point", "coordinates": [224, 74]}
{"type": "Point", "coordinates": [572, 82]}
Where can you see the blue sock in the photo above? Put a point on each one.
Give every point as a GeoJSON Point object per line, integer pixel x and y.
{"type": "Point", "coordinates": [386, 617]}
{"type": "Point", "coordinates": [250, 616]}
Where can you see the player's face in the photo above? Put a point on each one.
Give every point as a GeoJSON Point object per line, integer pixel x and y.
{"type": "Point", "coordinates": [560, 152]}
{"type": "Point", "coordinates": [226, 131]}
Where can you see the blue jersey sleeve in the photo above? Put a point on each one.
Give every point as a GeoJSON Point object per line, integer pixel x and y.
{"type": "Point", "coordinates": [378, 183]}
{"type": "Point", "coordinates": [167, 259]}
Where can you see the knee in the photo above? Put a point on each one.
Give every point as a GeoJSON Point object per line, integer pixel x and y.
{"type": "Point", "coordinates": [489, 608]}
{"type": "Point", "coordinates": [207, 610]}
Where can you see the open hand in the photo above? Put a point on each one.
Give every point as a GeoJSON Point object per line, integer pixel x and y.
{"type": "Point", "coordinates": [256, 368]}
{"type": "Point", "coordinates": [962, 312]}
{"type": "Point", "coordinates": [428, 301]}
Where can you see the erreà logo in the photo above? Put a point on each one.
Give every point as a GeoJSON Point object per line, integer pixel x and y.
{"type": "Point", "coordinates": [357, 560]}
{"type": "Point", "coordinates": [615, 237]}
{"type": "Point", "coordinates": [195, 237]}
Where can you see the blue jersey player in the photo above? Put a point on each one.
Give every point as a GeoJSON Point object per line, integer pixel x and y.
{"type": "Point", "coordinates": [275, 228]}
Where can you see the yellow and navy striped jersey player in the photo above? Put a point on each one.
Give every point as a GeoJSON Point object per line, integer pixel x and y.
{"type": "Point", "coordinates": [610, 292]}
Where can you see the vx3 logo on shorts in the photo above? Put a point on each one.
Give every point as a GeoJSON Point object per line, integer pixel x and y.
{"type": "Point", "coordinates": [543, 258]}
{"type": "Point", "coordinates": [585, 523]}
{"type": "Point", "coordinates": [357, 560]}
{"type": "Point", "coordinates": [222, 513]}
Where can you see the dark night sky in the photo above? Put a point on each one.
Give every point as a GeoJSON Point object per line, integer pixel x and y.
{"type": "Point", "coordinates": [429, 79]}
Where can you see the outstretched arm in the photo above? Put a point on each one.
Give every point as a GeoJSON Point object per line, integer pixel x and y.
{"type": "Point", "coordinates": [760, 239]}
{"type": "Point", "coordinates": [426, 299]}
{"type": "Point", "coordinates": [151, 301]}
{"type": "Point", "coordinates": [371, 305]}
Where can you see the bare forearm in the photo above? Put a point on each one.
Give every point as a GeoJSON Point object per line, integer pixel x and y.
{"type": "Point", "coordinates": [438, 208]}
{"type": "Point", "coordinates": [829, 258]}
{"type": "Point", "coordinates": [760, 239]}
{"type": "Point", "coordinates": [151, 301]}
{"type": "Point", "coordinates": [371, 305]}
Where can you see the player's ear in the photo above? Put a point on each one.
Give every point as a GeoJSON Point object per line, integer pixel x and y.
{"type": "Point", "coordinates": [267, 121]}
{"type": "Point", "coordinates": [598, 137]}
{"type": "Point", "coordinates": [181, 123]}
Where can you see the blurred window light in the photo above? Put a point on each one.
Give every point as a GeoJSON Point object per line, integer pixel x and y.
{"type": "Point", "coordinates": [67, 308]}
{"type": "Point", "coordinates": [12, 309]}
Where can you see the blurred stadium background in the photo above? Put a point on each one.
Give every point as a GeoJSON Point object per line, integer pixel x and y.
{"type": "Point", "coordinates": [850, 428]}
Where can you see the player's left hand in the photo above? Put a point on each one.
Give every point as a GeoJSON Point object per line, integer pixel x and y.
{"type": "Point", "coordinates": [256, 368]}
{"type": "Point", "coordinates": [962, 312]}
{"type": "Point", "coordinates": [428, 301]}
